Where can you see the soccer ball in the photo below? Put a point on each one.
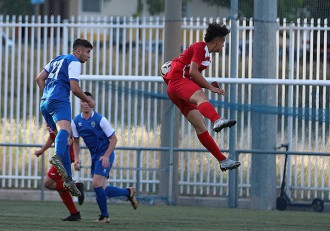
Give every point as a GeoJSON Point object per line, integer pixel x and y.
{"type": "Point", "coordinates": [166, 67]}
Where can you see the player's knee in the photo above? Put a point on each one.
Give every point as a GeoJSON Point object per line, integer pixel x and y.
{"type": "Point", "coordinates": [97, 184]}
{"type": "Point", "coordinates": [49, 183]}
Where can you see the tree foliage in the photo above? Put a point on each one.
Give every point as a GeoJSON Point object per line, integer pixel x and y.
{"type": "Point", "coordinates": [17, 7]}
{"type": "Point", "coordinates": [289, 9]}
{"type": "Point", "coordinates": [156, 6]}
{"type": "Point", "coordinates": [224, 3]}
{"type": "Point", "coordinates": [318, 9]}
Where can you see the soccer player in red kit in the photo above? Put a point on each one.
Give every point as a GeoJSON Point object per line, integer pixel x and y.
{"type": "Point", "coordinates": [54, 181]}
{"type": "Point", "coordinates": [185, 82]}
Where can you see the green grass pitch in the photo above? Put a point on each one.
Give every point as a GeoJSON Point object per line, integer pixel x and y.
{"type": "Point", "coordinates": [24, 216]}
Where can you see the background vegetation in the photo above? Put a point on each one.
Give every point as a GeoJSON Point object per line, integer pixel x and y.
{"type": "Point", "coordinates": [290, 9]}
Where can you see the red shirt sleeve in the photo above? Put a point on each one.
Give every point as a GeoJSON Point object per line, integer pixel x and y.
{"type": "Point", "coordinates": [198, 52]}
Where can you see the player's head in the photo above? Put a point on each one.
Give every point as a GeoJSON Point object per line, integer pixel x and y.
{"type": "Point", "coordinates": [88, 94]}
{"type": "Point", "coordinates": [85, 108]}
{"type": "Point", "coordinates": [82, 49]}
{"type": "Point", "coordinates": [216, 33]}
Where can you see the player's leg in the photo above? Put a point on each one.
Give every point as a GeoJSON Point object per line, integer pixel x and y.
{"type": "Point", "coordinates": [54, 181]}
{"type": "Point", "coordinates": [100, 176]}
{"type": "Point", "coordinates": [62, 147]}
{"type": "Point", "coordinates": [50, 178]}
{"type": "Point", "coordinates": [101, 197]}
{"type": "Point", "coordinates": [112, 191]}
{"type": "Point", "coordinates": [196, 119]}
{"type": "Point", "coordinates": [51, 111]}
{"type": "Point", "coordinates": [200, 98]}
{"type": "Point", "coordinates": [59, 163]}
{"type": "Point", "coordinates": [80, 187]}
{"type": "Point", "coordinates": [61, 115]}
{"type": "Point", "coordinates": [67, 200]}
{"type": "Point", "coordinates": [69, 204]}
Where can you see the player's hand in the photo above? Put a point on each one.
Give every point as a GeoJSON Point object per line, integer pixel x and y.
{"type": "Point", "coordinates": [91, 103]}
{"type": "Point", "coordinates": [215, 84]}
{"type": "Point", "coordinates": [105, 161]}
{"type": "Point", "coordinates": [217, 90]}
{"type": "Point", "coordinates": [77, 165]}
{"type": "Point", "coordinates": [38, 153]}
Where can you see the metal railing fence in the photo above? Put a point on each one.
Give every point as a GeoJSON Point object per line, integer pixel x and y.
{"type": "Point", "coordinates": [123, 74]}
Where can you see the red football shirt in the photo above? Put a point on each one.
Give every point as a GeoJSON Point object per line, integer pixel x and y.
{"type": "Point", "coordinates": [197, 52]}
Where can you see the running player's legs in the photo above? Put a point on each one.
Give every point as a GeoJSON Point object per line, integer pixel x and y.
{"type": "Point", "coordinates": [97, 169]}
{"type": "Point", "coordinates": [51, 178]}
{"type": "Point", "coordinates": [100, 176]}
{"type": "Point", "coordinates": [54, 181]}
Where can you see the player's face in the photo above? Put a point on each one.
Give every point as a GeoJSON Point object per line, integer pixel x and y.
{"type": "Point", "coordinates": [84, 54]}
{"type": "Point", "coordinates": [85, 108]}
{"type": "Point", "coordinates": [220, 44]}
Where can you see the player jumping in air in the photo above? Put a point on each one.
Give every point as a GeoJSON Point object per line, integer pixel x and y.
{"type": "Point", "coordinates": [185, 82]}
{"type": "Point", "coordinates": [56, 80]}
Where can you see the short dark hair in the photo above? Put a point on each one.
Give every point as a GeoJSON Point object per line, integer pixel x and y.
{"type": "Point", "coordinates": [215, 30]}
{"type": "Point", "coordinates": [88, 94]}
{"type": "Point", "coordinates": [82, 42]}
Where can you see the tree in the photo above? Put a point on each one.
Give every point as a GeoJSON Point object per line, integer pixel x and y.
{"type": "Point", "coordinates": [245, 6]}
{"type": "Point", "coordinates": [156, 6]}
{"type": "Point", "coordinates": [17, 7]}
{"type": "Point", "coordinates": [224, 3]}
{"type": "Point", "coordinates": [291, 10]}
{"type": "Point", "coordinates": [318, 9]}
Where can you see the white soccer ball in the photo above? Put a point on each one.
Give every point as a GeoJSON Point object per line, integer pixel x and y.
{"type": "Point", "coordinates": [166, 67]}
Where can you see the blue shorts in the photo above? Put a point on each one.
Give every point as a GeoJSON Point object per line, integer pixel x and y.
{"type": "Point", "coordinates": [99, 170]}
{"type": "Point", "coordinates": [54, 111]}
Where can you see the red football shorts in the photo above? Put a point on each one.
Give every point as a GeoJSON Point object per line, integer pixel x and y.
{"type": "Point", "coordinates": [179, 91]}
{"type": "Point", "coordinates": [53, 174]}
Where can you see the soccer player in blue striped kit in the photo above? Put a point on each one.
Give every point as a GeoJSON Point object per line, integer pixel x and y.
{"type": "Point", "coordinates": [56, 80]}
{"type": "Point", "coordinates": [101, 140]}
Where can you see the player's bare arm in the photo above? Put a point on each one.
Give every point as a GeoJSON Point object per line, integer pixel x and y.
{"type": "Point", "coordinates": [112, 144]}
{"type": "Point", "coordinates": [76, 151]}
{"type": "Point", "coordinates": [201, 81]}
{"type": "Point", "coordinates": [77, 91]}
{"type": "Point", "coordinates": [44, 148]}
{"type": "Point", "coordinates": [41, 79]}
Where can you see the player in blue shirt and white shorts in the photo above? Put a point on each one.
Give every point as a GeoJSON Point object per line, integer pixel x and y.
{"type": "Point", "coordinates": [101, 140]}
{"type": "Point", "coordinates": [56, 80]}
